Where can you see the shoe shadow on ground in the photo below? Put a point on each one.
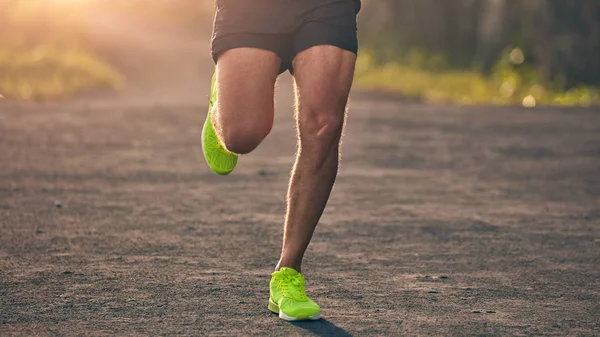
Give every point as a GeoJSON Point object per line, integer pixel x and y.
{"type": "Point", "coordinates": [322, 327]}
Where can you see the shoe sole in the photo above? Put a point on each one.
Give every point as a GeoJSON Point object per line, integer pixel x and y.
{"type": "Point", "coordinates": [214, 167]}
{"type": "Point", "coordinates": [217, 170]}
{"type": "Point", "coordinates": [274, 308]}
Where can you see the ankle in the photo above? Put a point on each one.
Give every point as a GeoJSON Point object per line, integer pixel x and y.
{"type": "Point", "coordinates": [288, 264]}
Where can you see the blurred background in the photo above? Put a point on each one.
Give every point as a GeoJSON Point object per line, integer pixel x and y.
{"type": "Point", "coordinates": [501, 52]}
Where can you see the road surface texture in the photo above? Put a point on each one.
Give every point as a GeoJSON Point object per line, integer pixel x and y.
{"type": "Point", "coordinates": [443, 221]}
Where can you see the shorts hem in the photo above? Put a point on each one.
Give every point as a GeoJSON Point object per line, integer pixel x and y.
{"type": "Point", "coordinates": [267, 42]}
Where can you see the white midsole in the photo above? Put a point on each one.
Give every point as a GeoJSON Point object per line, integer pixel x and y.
{"type": "Point", "coordinates": [288, 318]}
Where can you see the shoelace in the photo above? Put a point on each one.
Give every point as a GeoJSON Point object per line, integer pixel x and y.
{"type": "Point", "coordinates": [294, 288]}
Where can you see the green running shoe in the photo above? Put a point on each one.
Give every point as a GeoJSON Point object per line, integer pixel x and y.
{"type": "Point", "coordinates": [288, 297]}
{"type": "Point", "coordinates": [218, 158]}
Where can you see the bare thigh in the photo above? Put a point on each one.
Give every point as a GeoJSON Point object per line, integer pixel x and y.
{"type": "Point", "coordinates": [245, 90]}
{"type": "Point", "coordinates": [323, 75]}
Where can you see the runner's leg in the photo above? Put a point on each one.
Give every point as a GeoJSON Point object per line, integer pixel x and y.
{"type": "Point", "coordinates": [323, 77]}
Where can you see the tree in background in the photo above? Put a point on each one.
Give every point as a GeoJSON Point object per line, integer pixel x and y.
{"type": "Point", "coordinates": [560, 39]}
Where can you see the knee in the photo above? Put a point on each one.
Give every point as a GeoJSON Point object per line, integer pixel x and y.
{"type": "Point", "coordinates": [321, 131]}
{"type": "Point", "coordinates": [244, 136]}
{"type": "Point", "coordinates": [329, 128]}
{"type": "Point", "coordinates": [320, 125]}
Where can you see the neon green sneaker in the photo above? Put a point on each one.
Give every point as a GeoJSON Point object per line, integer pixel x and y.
{"type": "Point", "coordinates": [218, 158]}
{"type": "Point", "coordinates": [288, 297]}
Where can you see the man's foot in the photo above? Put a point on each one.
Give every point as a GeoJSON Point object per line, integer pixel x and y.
{"type": "Point", "coordinates": [218, 158]}
{"type": "Point", "coordinates": [288, 298]}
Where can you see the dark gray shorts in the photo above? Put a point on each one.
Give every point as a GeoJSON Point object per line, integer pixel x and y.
{"type": "Point", "coordinates": [285, 27]}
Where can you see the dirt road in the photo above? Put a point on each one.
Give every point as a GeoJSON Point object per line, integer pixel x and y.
{"type": "Point", "coordinates": [444, 221]}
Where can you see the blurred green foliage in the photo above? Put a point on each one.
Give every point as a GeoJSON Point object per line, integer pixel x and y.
{"type": "Point", "coordinates": [48, 71]}
{"type": "Point", "coordinates": [428, 77]}
{"type": "Point", "coordinates": [482, 51]}
{"type": "Point", "coordinates": [44, 52]}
